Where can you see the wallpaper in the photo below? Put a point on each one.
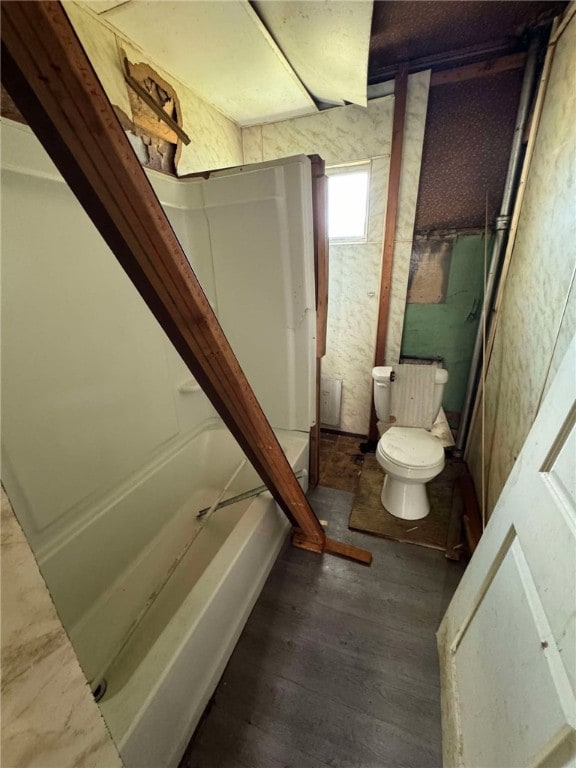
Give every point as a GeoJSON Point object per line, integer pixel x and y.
{"type": "Point", "coordinates": [339, 135]}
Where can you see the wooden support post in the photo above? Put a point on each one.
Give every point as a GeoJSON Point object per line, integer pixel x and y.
{"type": "Point", "coordinates": [47, 73]}
{"type": "Point", "coordinates": [319, 200]}
{"type": "Point", "coordinates": [400, 93]}
{"type": "Point", "coordinates": [314, 458]}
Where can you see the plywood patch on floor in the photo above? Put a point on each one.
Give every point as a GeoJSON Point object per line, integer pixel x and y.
{"type": "Point", "coordinates": [369, 516]}
{"type": "Point", "coordinates": [341, 461]}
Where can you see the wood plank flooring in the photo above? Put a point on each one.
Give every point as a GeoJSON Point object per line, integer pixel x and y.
{"type": "Point", "coordinates": [341, 461]}
{"type": "Point", "coordinates": [337, 664]}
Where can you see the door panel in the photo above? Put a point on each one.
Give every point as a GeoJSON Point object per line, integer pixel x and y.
{"type": "Point", "coordinates": [502, 648]}
{"type": "Point", "coordinates": [508, 641]}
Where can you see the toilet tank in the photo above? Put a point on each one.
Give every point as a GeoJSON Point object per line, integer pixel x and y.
{"type": "Point", "coordinates": [381, 376]}
{"type": "Point", "coordinates": [440, 379]}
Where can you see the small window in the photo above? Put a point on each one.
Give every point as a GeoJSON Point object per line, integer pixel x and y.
{"type": "Point", "coordinates": [348, 202]}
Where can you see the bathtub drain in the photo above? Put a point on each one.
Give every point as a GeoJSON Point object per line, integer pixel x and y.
{"type": "Point", "coordinates": [100, 690]}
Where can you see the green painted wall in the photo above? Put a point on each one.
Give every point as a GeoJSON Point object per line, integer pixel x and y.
{"type": "Point", "coordinates": [447, 330]}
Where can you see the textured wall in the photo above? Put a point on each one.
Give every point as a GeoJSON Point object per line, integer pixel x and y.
{"type": "Point", "coordinates": [536, 320]}
{"type": "Point", "coordinates": [416, 118]}
{"type": "Point", "coordinates": [345, 135]}
{"type": "Point", "coordinates": [216, 141]}
{"type": "Point", "coordinates": [339, 136]}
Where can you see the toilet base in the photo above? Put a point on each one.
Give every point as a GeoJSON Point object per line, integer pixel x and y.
{"type": "Point", "coordinates": [408, 501]}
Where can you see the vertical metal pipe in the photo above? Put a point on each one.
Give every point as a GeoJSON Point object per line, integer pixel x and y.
{"type": "Point", "coordinates": [500, 240]}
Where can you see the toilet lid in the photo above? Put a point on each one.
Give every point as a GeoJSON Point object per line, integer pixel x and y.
{"type": "Point", "coordinates": [411, 447]}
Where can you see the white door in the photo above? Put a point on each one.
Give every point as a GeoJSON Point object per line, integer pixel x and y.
{"type": "Point", "coordinates": [508, 641]}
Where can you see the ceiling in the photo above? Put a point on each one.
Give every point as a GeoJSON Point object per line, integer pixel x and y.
{"type": "Point", "coordinates": [409, 30]}
{"type": "Point", "coordinates": [262, 61]}
{"type": "Point", "coordinates": [270, 60]}
{"type": "Point", "coordinates": [255, 63]}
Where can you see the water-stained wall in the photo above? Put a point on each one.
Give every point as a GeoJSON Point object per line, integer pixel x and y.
{"type": "Point", "coordinates": [538, 314]}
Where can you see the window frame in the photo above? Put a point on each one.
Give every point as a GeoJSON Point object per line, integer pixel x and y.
{"type": "Point", "coordinates": [347, 168]}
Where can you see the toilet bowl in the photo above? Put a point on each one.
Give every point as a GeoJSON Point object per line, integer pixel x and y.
{"type": "Point", "coordinates": [410, 456]}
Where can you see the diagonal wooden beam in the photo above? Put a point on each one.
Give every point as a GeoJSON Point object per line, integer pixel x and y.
{"type": "Point", "coordinates": [49, 76]}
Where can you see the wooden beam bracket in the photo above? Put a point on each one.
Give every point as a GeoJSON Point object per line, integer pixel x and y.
{"type": "Point", "coordinates": [332, 547]}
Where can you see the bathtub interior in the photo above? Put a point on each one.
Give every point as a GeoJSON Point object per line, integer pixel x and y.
{"type": "Point", "coordinates": [130, 580]}
{"type": "Point", "coordinates": [195, 620]}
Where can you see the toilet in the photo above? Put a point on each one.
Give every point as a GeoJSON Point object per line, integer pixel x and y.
{"type": "Point", "coordinates": [410, 456]}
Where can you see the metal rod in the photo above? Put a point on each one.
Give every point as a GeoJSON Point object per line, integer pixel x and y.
{"type": "Point", "coordinates": [214, 506]}
{"type": "Point", "coordinates": [241, 496]}
{"type": "Point", "coordinates": [500, 239]}
{"type": "Point", "coordinates": [99, 678]}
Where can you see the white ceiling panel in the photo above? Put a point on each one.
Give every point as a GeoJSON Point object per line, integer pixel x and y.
{"type": "Point", "coordinates": [222, 51]}
{"type": "Point", "coordinates": [326, 42]}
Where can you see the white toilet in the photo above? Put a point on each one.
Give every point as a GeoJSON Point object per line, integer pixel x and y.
{"type": "Point", "coordinates": [410, 456]}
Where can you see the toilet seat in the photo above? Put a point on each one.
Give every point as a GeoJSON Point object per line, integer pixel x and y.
{"type": "Point", "coordinates": [411, 448]}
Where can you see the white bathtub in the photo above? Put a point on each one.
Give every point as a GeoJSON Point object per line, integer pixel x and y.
{"type": "Point", "coordinates": [109, 460]}
{"type": "Point", "coordinates": [161, 680]}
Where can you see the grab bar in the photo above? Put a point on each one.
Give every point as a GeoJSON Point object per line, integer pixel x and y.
{"type": "Point", "coordinates": [241, 496]}
{"type": "Point", "coordinates": [207, 513]}
{"type": "Point", "coordinates": [99, 679]}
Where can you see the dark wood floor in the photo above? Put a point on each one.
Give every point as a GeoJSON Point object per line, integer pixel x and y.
{"type": "Point", "coordinates": [337, 664]}
{"type": "Point", "coordinates": [341, 461]}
